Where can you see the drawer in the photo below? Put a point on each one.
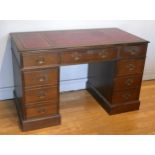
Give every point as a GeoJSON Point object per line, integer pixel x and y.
{"type": "Point", "coordinates": [125, 67]}
{"type": "Point", "coordinates": [41, 110]}
{"type": "Point", "coordinates": [127, 82]}
{"type": "Point", "coordinates": [36, 59]}
{"type": "Point", "coordinates": [133, 51]}
{"type": "Point", "coordinates": [85, 56]}
{"type": "Point", "coordinates": [41, 94]}
{"type": "Point", "coordinates": [41, 77]}
{"type": "Point", "coordinates": [125, 96]}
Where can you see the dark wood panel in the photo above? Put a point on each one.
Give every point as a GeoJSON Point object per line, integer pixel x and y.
{"type": "Point", "coordinates": [133, 51]}
{"type": "Point", "coordinates": [37, 59]}
{"type": "Point", "coordinates": [35, 123]}
{"type": "Point", "coordinates": [127, 67]}
{"type": "Point", "coordinates": [91, 55]}
{"type": "Point", "coordinates": [41, 94]}
{"type": "Point", "coordinates": [41, 110]}
{"type": "Point", "coordinates": [129, 95]}
{"type": "Point", "coordinates": [18, 84]}
{"type": "Point", "coordinates": [101, 75]}
{"type": "Point", "coordinates": [41, 77]}
{"type": "Point", "coordinates": [112, 108]}
{"type": "Point", "coordinates": [127, 82]}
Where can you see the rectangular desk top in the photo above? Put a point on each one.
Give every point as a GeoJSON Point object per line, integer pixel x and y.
{"type": "Point", "coordinates": [63, 39]}
{"type": "Point", "coordinates": [115, 67]}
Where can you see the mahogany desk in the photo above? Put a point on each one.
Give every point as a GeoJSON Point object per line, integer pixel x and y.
{"type": "Point", "coordinates": [116, 62]}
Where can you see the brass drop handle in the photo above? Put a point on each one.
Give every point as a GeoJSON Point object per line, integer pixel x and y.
{"type": "Point", "coordinates": [131, 67]}
{"type": "Point", "coordinates": [41, 79]}
{"type": "Point", "coordinates": [76, 56]}
{"type": "Point", "coordinates": [126, 96]}
{"type": "Point", "coordinates": [132, 51]}
{"type": "Point", "coordinates": [103, 54]}
{"type": "Point", "coordinates": [41, 94]}
{"type": "Point", "coordinates": [41, 110]}
{"type": "Point", "coordinates": [128, 82]}
{"type": "Point", "coordinates": [40, 61]}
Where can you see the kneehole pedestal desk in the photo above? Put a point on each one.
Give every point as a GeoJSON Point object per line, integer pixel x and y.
{"type": "Point", "coordinates": [116, 62]}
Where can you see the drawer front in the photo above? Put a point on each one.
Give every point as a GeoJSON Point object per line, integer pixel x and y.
{"type": "Point", "coordinates": [125, 67]}
{"type": "Point", "coordinates": [40, 59]}
{"type": "Point", "coordinates": [125, 96]}
{"type": "Point", "coordinates": [133, 51]}
{"type": "Point", "coordinates": [41, 94]}
{"type": "Point", "coordinates": [128, 82]}
{"type": "Point", "coordinates": [41, 77]}
{"type": "Point", "coordinates": [41, 110]}
{"type": "Point", "coordinates": [88, 55]}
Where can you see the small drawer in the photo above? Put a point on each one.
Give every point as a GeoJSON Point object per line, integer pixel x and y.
{"type": "Point", "coordinates": [36, 59]}
{"type": "Point", "coordinates": [125, 96]}
{"type": "Point", "coordinates": [41, 77]}
{"type": "Point", "coordinates": [41, 94]}
{"type": "Point", "coordinates": [86, 56]}
{"type": "Point", "coordinates": [133, 51]}
{"type": "Point", "coordinates": [128, 82]}
{"type": "Point", "coordinates": [41, 110]}
{"type": "Point", "coordinates": [126, 67]}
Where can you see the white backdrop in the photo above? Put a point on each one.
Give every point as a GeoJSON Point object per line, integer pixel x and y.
{"type": "Point", "coordinates": [72, 77]}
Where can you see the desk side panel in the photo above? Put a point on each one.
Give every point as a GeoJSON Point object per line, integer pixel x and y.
{"type": "Point", "coordinates": [101, 75]}
{"type": "Point", "coordinates": [18, 88]}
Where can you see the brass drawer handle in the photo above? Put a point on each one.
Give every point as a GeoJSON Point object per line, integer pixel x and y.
{"type": "Point", "coordinates": [126, 96]}
{"type": "Point", "coordinates": [103, 54]}
{"type": "Point", "coordinates": [40, 61]}
{"type": "Point", "coordinates": [129, 82]}
{"type": "Point", "coordinates": [133, 50]}
{"type": "Point", "coordinates": [41, 94]}
{"type": "Point", "coordinates": [76, 56]}
{"type": "Point", "coordinates": [41, 110]}
{"type": "Point", "coordinates": [42, 79]}
{"type": "Point", "coordinates": [131, 67]}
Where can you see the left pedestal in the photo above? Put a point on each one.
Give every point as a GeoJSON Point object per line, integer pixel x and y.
{"type": "Point", "coordinates": [36, 79]}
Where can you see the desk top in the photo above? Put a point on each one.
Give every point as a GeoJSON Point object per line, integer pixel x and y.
{"type": "Point", "coordinates": [63, 39]}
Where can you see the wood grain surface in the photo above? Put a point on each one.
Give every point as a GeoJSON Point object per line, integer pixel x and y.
{"type": "Point", "coordinates": [81, 114]}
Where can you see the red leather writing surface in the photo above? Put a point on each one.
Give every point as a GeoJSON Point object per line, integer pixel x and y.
{"type": "Point", "coordinates": [72, 38]}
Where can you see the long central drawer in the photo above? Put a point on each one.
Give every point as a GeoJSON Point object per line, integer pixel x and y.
{"type": "Point", "coordinates": [85, 56]}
